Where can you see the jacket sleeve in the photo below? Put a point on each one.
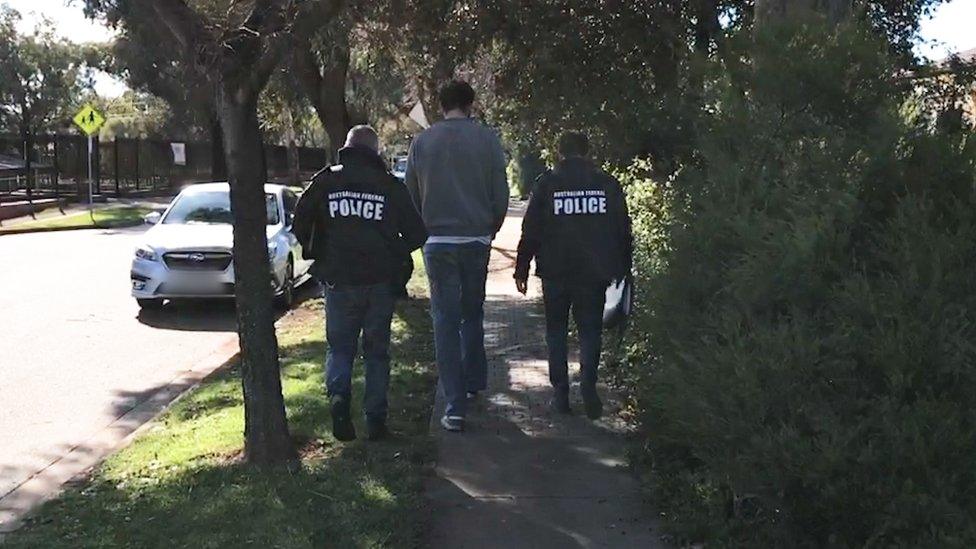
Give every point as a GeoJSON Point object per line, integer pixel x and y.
{"type": "Point", "coordinates": [624, 230]}
{"type": "Point", "coordinates": [499, 182]}
{"type": "Point", "coordinates": [533, 225]}
{"type": "Point", "coordinates": [409, 224]}
{"type": "Point", "coordinates": [303, 226]}
{"type": "Point", "coordinates": [410, 179]}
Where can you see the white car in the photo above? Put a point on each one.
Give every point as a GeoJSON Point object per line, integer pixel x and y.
{"type": "Point", "coordinates": [400, 168]}
{"type": "Point", "coordinates": [188, 253]}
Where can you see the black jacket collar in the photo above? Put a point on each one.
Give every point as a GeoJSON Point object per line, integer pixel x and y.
{"type": "Point", "coordinates": [358, 155]}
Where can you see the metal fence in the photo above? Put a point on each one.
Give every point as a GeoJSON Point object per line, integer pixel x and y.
{"type": "Point", "coordinates": [125, 166]}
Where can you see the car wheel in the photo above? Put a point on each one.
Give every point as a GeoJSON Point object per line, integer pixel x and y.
{"type": "Point", "coordinates": [150, 304]}
{"type": "Point", "coordinates": [287, 297]}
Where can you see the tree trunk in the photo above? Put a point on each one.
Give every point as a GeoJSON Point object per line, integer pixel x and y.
{"type": "Point", "coordinates": [26, 137]}
{"type": "Point", "coordinates": [294, 167]}
{"type": "Point", "coordinates": [266, 436]}
{"type": "Point", "coordinates": [707, 26]}
{"type": "Point", "coordinates": [325, 87]}
{"type": "Point", "coordinates": [664, 59]}
{"type": "Point", "coordinates": [218, 161]}
{"type": "Point", "coordinates": [331, 105]}
{"type": "Point", "coordinates": [291, 151]}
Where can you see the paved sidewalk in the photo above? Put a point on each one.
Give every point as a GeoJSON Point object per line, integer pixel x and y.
{"type": "Point", "coordinates": [522, 476]}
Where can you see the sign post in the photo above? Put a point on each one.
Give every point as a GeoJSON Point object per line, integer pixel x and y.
{"type": "Point", "coordinates": [89, 121]}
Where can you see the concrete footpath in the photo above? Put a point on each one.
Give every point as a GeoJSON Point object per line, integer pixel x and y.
{"type": "Point", "coordinates": [522, 476]}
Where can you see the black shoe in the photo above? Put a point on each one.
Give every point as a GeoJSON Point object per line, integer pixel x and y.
{"type": "Point", "coordinates": [560, 402]}
{"type": "Point", "coordinates": [342, 427]}
{"type": "Point", "coordinates": [592, 403]}
{"type": "Point", "coordinates": [376, 429]}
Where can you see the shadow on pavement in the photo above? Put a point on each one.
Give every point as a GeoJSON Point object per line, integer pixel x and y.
{"type": "Point", "coordinates": [210, 315]}
{"type": "Point", "coordinates": [523, 476]}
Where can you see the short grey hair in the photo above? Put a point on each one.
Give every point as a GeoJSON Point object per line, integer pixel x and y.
{"type": "Point", "coordinates": [363, 136]}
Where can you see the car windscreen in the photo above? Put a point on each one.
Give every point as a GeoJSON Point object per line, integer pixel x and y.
{"type": "Point", "coordinates": [212, 207]}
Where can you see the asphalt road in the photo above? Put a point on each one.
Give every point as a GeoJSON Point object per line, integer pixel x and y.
{"type": "Point", "coordinates": [75, 351]}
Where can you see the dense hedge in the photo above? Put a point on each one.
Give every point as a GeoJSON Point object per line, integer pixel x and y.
{"type": "Point", "coordinates": [805, 345]}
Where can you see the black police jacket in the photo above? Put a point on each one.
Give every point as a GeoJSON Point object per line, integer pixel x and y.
{"type": "Point", "coordinates": [356, 220]}
{"type": "Point", "coordinates": [576, 226]}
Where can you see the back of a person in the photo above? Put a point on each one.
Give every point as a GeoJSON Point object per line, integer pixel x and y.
{"type": "Point", "coordinates": [358, 223]}
{"type": "Point", "coordinates": [351, 220]}
{"type": "Point", "coordinates": [577, 229]}
{"type": "Point", "coordinates": [456, 166]}
{"type": "Point", "coordinates": [357, 201]}
{"type": "Point", "coordinates": [454, 169]}
{"type": "Point", "coordinates": [456, 178]}
{"type": "Point", "coordinates": [580, 240]}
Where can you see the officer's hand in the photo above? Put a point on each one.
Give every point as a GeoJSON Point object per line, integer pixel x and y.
{"type": "Point", "coordinates": [522, 285]}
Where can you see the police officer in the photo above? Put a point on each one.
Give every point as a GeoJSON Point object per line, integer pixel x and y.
{"type": "Point", "coordinates": [358, 223]}
{"type": "Point", "coordinates": [578, 230]}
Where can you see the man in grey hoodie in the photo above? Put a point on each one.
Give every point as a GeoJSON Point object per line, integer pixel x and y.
{"type": "Point", "coordinates": [456, 176]}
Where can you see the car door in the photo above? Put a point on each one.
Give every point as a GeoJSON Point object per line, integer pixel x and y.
{"type": "Point", "coordinates": [290, 201]}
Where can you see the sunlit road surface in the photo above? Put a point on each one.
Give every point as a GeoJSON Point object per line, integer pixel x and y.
{"type": "Point", "coordinates": [75, 352]}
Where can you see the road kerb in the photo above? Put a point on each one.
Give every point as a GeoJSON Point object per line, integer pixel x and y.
{"type": "Point", "coordinates": [47, 483]}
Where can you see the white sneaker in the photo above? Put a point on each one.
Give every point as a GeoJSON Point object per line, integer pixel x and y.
{"type": "Point", "coordinates": [455, 424]}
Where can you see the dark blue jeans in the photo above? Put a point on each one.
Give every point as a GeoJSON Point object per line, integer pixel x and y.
{"type": "Point", "coordinates": [457, 275]}
{"type": "Point", "coordinates": [586, 300]}
{"type": "Point", "coordinates": [349, 311]}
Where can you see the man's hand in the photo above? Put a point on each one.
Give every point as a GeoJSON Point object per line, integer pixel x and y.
{"type": "Point", "coordinates": [522, 285]}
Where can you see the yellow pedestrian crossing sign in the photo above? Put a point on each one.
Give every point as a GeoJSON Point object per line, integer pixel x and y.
{"type": "Point", "coordinates": [89, 120]}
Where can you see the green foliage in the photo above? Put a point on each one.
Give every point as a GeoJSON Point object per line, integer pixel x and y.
{"type": "Point", "coordinates": [138, 114]}
{"type": "Point", "coordinates": [40, 77]}
{"type": "Point", "coordinates": [523, 169]}
{"type": "Point", "coordinates": [286, 115]}
{"type": "Point", "coordinates": [111, 217]}
{"type": "Point", "coordinates": [804, 348]}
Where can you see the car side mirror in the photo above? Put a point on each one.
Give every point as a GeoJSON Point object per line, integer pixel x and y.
{"type": "Point", "coordinates": [152, 218]}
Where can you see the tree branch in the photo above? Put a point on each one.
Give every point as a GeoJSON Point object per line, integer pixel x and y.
{"type": "Point", "coordinates": [315, 15]}
{"type": "Point", "coordinates": [305, 20]}
{"type": "Point", "coordinates": [188, 27]}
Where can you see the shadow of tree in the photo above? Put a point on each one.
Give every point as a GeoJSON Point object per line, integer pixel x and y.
{"type": "Point", "coordinates": [210, 315]}
{"type": "Point", "coordinates": [525, 475]}
{"type": "Point", "coordinates": [181, 485]}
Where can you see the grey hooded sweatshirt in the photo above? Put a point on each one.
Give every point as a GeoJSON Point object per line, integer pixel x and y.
{"type": "Point", "coordinates": [456, 177]}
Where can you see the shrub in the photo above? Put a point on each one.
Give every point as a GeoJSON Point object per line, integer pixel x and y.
{"type": "Point", "coordinates": [805, 348]}
{"type": "Point", "coordinates": [525, 166]}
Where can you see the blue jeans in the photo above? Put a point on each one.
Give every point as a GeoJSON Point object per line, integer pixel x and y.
{"type": "Point", "coordinates": [457, 275]}
{"type": "Point", "coordinates": [349, 311]}
{"type": "Point", "coordinates": [586, 300]}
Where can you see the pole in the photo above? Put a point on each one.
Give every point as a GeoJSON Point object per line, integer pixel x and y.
{"type": "Point", "coordinates": [115, 159]}
{"type": "Point", "coordinates": [91, 195]}
{"type": "Point", "coordinates": [137, 164]}
{"type": "Point", "coordinates": [57, 173]}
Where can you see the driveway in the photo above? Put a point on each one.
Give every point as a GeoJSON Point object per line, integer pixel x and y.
{"type": "Point", "coordinates": [76, 354]}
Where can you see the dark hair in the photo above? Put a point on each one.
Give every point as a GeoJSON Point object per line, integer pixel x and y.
{"type": "Point", "coordinates": [456, 94]}
{"type": "Point", "coordinates": [573, 144]}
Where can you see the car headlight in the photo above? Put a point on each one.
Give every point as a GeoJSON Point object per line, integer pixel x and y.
{"type": "Point", "coordinates": [146, 253]}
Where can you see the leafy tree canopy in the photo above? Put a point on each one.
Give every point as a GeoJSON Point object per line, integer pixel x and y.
{"type": "Point", "coordinates": [41, 77]}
